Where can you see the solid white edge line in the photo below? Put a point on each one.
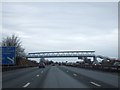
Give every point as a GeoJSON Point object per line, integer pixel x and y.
{"type": "Point", "coordinates": [26, 85]}
{"type": "Point", "coordinates": [95, 84]}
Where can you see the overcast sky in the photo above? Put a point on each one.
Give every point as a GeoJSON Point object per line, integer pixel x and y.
{"type": "Point", "coordinates": [63, 26]}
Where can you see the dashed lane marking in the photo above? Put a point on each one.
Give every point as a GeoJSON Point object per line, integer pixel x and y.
{"type": "Point", "coordinates": [75, 74]}
{"type": "Point", "coordinates": [95, 84]}
{"type": "Point", "coordinates": [37, 75]}
{"type": "Point", "coordinates": [26, 85]}
{"type": "Point", "coordinates": [41, 71]}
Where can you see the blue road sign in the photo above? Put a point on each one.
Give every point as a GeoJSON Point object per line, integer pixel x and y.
{"type": "Point", "coordinates": [8, 55]}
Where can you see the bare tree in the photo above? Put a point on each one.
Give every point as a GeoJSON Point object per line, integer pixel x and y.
{"type": "Point", "coordinates": [14, 41]}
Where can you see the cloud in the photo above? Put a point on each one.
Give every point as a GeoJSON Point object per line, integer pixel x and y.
{"type": "Point", "coordinates": [63, 26]}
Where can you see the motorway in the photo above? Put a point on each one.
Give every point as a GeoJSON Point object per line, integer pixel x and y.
{"type": "Point", "coordinates": [58, 77]}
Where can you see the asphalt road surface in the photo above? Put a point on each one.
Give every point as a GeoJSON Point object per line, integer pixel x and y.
{"type": "Point", "coordinates": [58, 77]}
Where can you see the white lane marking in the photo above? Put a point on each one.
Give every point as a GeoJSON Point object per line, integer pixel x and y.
{"type": "Point", "coordinates": [95, 84]}
{"type": "Point", "coordinates": [26, 85]}
{"type": "Point", "coordinates": [37, 75]}
{"type": "Point", "coordinates": [41, 71]}
{"type": "Point", "coordinates": [75, 74]}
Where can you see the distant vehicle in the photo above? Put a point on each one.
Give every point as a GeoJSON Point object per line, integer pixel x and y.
{"type": "Point", "coordinates": [41, 65]}
{"type": "Point", "coordinates": [59, 64]}
{"type": "Point", "coordinates": [53, 64]}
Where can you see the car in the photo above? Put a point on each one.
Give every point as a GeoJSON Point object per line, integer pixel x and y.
{"type": "Point", "coordinates": [41, 65]}
{"type": "Point", "coordinates": [59, 64]}
{"type": "Point", "coordinates": [53, 64]}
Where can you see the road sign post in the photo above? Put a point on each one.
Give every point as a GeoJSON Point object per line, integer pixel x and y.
{"type": "Point", "coordinates": [8, 56]}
